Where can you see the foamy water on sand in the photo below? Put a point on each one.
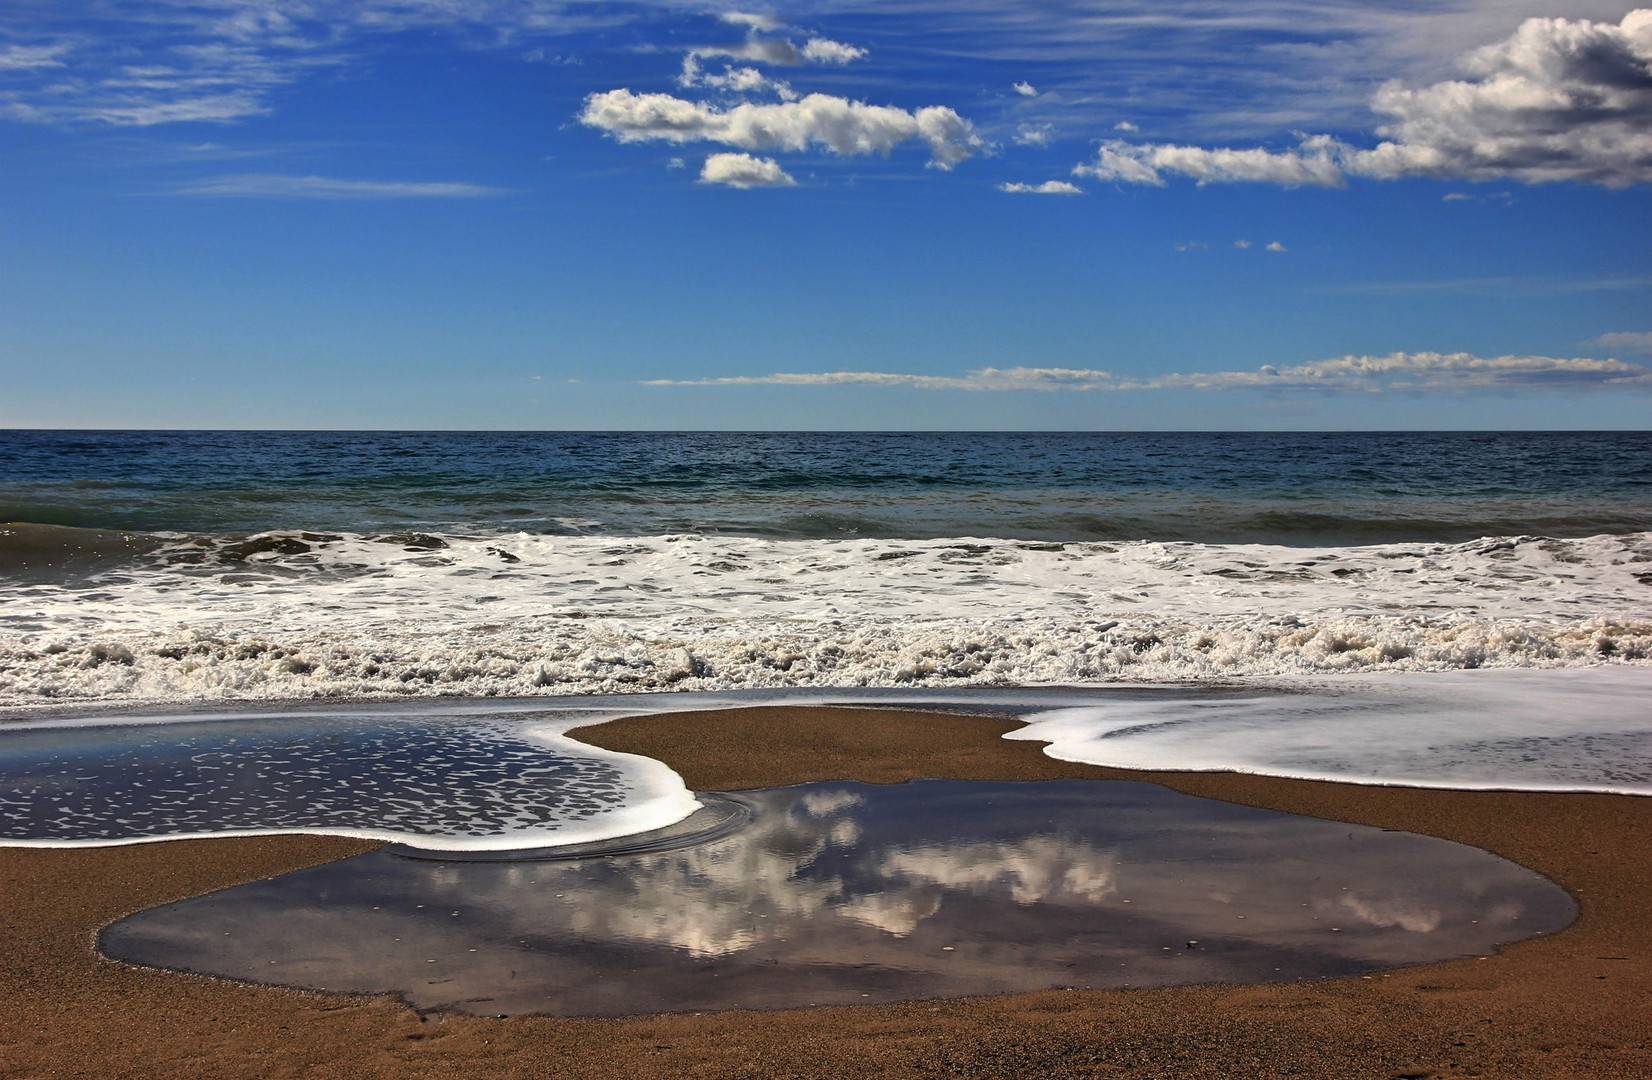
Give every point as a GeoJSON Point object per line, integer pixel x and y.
{"type": "Point", "coordinates": [462, 777]}
{"type": "Point", "coordinates": [1571, 730]}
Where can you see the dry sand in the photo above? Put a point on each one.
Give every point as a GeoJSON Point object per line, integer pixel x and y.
{"type": "Point", "coordinates": [1578, 1004]}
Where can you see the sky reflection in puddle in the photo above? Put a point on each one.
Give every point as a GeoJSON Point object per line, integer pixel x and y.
{"type": "Point", "coordinates": [848, 892]}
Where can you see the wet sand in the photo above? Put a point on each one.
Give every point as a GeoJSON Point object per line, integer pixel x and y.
{"type": "Point", "coordinates": [1572, 1005]}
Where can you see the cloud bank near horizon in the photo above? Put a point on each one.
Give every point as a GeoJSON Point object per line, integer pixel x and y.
{"type": "Point", "coordinates": [1395, 372]}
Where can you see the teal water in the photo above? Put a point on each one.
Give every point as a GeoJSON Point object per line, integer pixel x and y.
{"type": "Point", "coordinates": [1281, 488]}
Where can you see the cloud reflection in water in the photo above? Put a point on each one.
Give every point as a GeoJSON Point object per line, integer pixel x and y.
{"type": "Point", "coordinates": [851, 892]}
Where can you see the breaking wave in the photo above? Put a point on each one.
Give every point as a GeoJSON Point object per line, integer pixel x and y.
{"type": "Point", "coordinates": [95, 615]}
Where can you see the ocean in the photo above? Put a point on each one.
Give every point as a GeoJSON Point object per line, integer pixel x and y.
{"type": "Point", "coordinates": [215, 566]}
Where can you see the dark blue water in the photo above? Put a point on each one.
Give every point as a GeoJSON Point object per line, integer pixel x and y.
{"type": "Point", "coordinates": [1291, 488]}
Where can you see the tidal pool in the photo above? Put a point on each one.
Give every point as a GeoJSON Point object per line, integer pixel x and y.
{"type": "Point", "coordinates": [847, 892]}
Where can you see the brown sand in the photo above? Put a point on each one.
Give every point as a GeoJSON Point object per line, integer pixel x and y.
{"type": "Point", "coordinates": [1578, 1004]}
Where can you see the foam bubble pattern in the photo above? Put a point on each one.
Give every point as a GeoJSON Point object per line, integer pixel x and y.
{"type": "Point", "coordinates": [434, 782]}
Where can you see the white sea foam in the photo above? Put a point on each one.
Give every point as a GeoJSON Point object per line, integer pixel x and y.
{"type": "Point", "coordinates": [308, 615]}
{"type": "Point", "coordinates": [444, 782]}
{"type": "Point", "coordinates": [1525, 730]}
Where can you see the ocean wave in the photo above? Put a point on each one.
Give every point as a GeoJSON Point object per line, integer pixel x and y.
{"type": "Point", "coordinates": [717, 654]}
{"type": "Point", "coordinates": [306, 614]}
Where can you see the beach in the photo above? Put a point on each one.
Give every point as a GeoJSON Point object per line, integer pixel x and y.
{"type": "Point", "coordinates": [682, 540]}
{"type": "Point", "coordinates": [1569, 1005]}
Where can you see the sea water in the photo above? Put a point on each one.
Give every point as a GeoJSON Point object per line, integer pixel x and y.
{"type": "Point", "coordinates": [217, 566]}
{"type": "Point", "coordinates": [1461, 609]}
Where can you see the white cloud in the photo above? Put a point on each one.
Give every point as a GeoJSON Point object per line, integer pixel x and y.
{"type": "Point", "coordinates": [752, 20]}
{"type": "Point", "coordinates": [1118, 161]}
{"type": "Point", "coordinates": [1560, 99]}
{"type": "Point", "coordinates": [268, 186]}
{"type": "Point", "coordinates": [1048, 187]}
{"type": "Point", "coordinates": [1241, 244]}
{"type": "Point", "coordinates": [840, 125]}
{"type": "Point", "coordinates": [1034, 134]}
{"type": "Point", "coordinates": [1125, 125]}
{"type": "Point", "coordinates": [825, 51]}
{"type": "Point", "coordinates": [1640, 342]}
{"type": "Point", "coordinates": [744, 171]}
{"type": "Point", "coordinates": [1414, 371]}
{"type": "Point", "coordinates": [1026, 89]}
{"type": "Point", "coordinates": [1195, 66]}
{"type": "Point", "coordinates": [1396, 372]}
{"type": "Point", "coordinates": [733, 80]}
{"type": "Point", "coordinates": [1274, 245]}
{"type": "Point", "coordinates": [763, 45]}
{"type": "Point", "coordinates": [1316, 164]}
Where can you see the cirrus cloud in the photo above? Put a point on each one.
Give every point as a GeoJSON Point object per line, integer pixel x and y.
{"type": "Point", "coordinates": [31, 57]}
{"type": "Point", "coordinates": [267, 186]}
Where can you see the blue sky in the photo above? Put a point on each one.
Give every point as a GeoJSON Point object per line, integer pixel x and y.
{"type": "Point", "coordinates": [908, 214]}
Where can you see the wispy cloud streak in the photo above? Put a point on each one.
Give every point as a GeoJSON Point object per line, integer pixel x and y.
{"type": "Point", "coordinates": [1635, 342]}
{"type": "Point", "coordinates": [1495, 286]}
{"type": "Point", "coordinates": [268, 186]}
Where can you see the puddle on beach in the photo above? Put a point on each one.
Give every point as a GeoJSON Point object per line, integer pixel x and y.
{"type": "Point", "coordinates": [852, 893]}
{"type": "Point", "coordinates": [462, 782]}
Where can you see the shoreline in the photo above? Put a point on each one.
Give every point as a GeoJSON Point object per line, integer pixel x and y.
{"type": "Point", "coordinates": [1568, 1005]}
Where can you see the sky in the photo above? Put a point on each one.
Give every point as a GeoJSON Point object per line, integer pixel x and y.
{"type": "Point", "coordinates": [839, 214]}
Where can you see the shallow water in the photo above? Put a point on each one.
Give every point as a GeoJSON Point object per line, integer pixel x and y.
{"type": "Point", "coordinates": [465, 775]}
{"type": "Point", "coordinates": [437, 779]}
{"type": "Point", "coordinates": [847, 893]}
